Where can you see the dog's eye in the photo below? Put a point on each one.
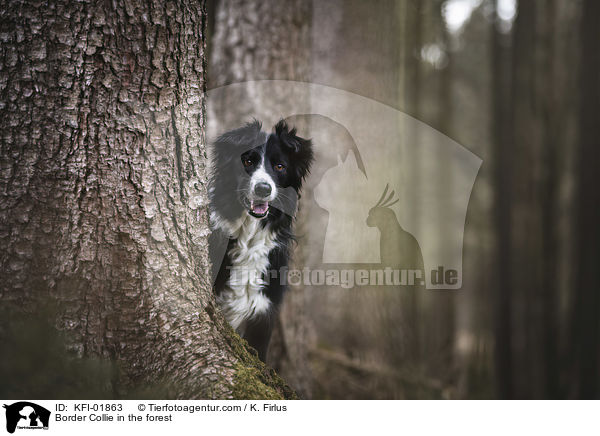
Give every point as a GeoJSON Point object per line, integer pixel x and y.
{"type": "Point", "coordinates": [279, 167]}
{"type": "Point", "coordinates": [248, 162]}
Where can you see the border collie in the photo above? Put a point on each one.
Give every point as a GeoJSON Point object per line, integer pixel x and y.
{"type": "Point", "coordinates": [255, 182]}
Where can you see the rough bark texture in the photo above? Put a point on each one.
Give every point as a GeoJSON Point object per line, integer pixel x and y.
{"type": "Point", "coordinates": [265, 40]}
{"type": "Point", "coordinates": [258, 40]}
{"type": "Point", "coordinates": [103, 197]}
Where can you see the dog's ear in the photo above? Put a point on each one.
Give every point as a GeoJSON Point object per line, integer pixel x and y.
{"type": "Point", "coordinates": [301, 149]}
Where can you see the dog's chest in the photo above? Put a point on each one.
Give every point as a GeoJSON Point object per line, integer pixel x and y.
{"type": "Point", "coordinates": [243, 298]}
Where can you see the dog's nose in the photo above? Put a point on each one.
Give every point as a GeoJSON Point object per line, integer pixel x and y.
{"type": "Point", "coordinates": [262, 189]}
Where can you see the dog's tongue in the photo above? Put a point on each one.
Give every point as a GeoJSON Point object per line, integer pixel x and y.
{"type": "Point", "coordinates": [259, 208]}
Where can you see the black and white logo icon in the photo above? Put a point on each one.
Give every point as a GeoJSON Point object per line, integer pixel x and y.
{"type": "Point", "coordinates": [26, 415]}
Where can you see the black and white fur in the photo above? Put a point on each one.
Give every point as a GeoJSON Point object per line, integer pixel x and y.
{"type": "Point", "coordinates": [255, 182]}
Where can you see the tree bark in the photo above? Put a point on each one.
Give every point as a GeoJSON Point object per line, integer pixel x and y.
{"type": "Point", "coordinates": [103, 197]}
{"type": "Point", "coordinates": [257, 40]}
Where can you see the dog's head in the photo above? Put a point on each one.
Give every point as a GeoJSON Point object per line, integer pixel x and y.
{"type": "Point", "coordinates": [256, 172]}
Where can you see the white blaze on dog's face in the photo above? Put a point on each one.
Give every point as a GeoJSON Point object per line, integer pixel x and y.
{"type": "Point", "coordinates": [266, 166]}
{"type": "Point", "coordinates": [262, 190]}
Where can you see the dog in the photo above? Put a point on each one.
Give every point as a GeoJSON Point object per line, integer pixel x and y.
{"type": "Point", "coordinates": [255, 182]}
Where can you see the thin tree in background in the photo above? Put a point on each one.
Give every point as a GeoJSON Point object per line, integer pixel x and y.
{"type": "Point", "coordinates": [585, 316]}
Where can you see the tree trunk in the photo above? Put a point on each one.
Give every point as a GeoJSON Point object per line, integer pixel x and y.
{"type": "Point", "coordinates": [527, 124]}
{"type": "Point", "coordinates": [585, 324]}
{"type": "Point", "coordinates": [103, 197]}
{"type": "Point", "coordinates": [502, 174]}
{"type": "Point", "coordinates": [257, 40]}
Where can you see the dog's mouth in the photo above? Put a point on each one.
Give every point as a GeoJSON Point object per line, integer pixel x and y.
{"type": "Point", "coordinates": [259, 209]}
